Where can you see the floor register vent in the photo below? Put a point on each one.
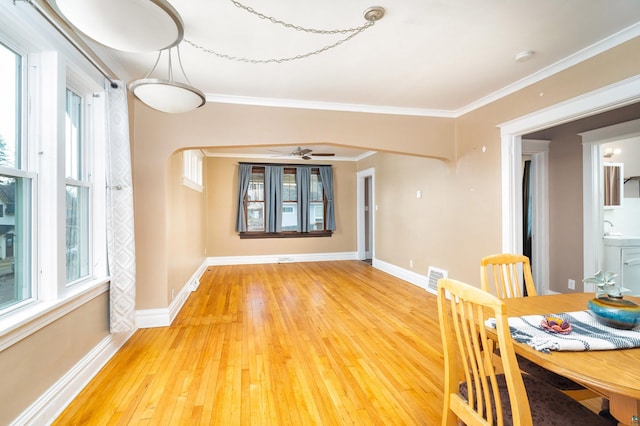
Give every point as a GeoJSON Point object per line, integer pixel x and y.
{"type": "Point", "coordinates": [433, 276]}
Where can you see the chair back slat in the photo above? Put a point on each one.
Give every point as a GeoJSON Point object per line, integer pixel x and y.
{"type": "Point", "coordinates": [506, 275]}
{"type": "Point", "coordinates": [463, 310]}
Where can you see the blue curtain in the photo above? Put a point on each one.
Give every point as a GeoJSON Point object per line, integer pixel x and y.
{"type": "Point", "coordinates": [303, 183]}
{"type": "Point", "coordinates": [326, 176]}
{"type": "Point", "coordinates": [244, 176]}
{"type": "Point", "coordinates": [273, 198]}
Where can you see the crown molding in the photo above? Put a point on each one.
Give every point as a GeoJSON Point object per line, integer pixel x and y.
{"type": "Point", "coordinates": [601, 46]}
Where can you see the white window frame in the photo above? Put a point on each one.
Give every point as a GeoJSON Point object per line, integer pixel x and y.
{"type": "Point", "coordinates": [51, 64]}
{"type": "Point", "coordinates": [192, 169]}
{"type": "Point", "coordinates": [86, 158]}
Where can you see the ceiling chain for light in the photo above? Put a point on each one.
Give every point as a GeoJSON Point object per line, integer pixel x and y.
{"type": "Point", "coordinates": [371, 15]}
{"type": "Point", "coordinates": [287, 25]}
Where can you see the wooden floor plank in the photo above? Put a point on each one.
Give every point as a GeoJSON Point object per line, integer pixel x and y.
{"type": "Point", "coordinates": [326, 343]}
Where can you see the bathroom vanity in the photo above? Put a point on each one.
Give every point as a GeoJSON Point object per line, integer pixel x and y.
{"type": "Point", "coordinates": [622, 256]}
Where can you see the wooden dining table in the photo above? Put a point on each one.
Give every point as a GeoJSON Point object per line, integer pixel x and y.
{"type": "Point", "coordinates": [615, 374]}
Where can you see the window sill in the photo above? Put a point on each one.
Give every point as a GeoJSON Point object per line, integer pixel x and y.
{"type": "Point", "coordinates": [191, 184]}
{"type": "Point", "coordinates": [20, 324]}
{"type": "Point", "coordinates": [258, 235]}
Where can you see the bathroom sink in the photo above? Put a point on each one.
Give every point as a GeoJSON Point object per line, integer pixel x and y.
{"type": "Point", "coordinates": [621, 241]}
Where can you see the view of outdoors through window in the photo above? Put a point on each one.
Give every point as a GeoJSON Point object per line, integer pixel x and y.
{"type": "Point", "coordinates": [255, 201]}
{"type": "Point", "coordinates": [15, 189]}
{"type": "Point", "coordinates": [289, 202]}
{"type": "Point", "coordinates": [316, 209]}
{"type": "Point", "coordinates": [77, 194]}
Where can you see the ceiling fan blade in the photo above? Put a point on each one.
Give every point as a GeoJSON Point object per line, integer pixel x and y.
{"type": "Point", "coordinates": [304, 151]}
{"type": "Point", "coordinates": [306, 157]}
{"type": "Point", "coordinates": [323, 154]}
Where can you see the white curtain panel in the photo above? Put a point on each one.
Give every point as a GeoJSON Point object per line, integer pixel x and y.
{"type": "Point", "coordinates": [120, 231]}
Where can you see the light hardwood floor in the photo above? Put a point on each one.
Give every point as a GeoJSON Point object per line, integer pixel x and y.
{"type": "Point", "coordinates": [329, 343]}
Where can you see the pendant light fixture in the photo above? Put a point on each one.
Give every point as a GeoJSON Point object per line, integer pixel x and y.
{"type": "Point", "coordinates": [168, 95]}
{"type": "Point", "coordinates": [126, 25]}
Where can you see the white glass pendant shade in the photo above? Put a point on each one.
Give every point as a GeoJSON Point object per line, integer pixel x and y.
{"type": "Point", "coordinates": [126, 25]}
{"type": "Point", "coordinates": [167, 96]}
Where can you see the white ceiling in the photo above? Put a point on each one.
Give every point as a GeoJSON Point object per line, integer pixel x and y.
{"type": "Point", "coordinates": [425, 57]}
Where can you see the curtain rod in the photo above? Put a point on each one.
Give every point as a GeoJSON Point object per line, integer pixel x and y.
{"type": "Point", "coordinates": [284, 164]}
{"type": "Point", "coordinates": [50, 16]}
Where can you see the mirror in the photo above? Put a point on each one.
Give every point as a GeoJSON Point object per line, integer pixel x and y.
{"type": "Point", "coordinates": [613, 184]}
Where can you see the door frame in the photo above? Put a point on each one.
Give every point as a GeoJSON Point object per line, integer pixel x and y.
{"type": "Point", "coordinates": [592, 181]}
{"type": "Point", "coordinates": [539, 152]}
{"type": "Point", "coordinates": [360, 212]}
{"type": "Point", "coordinates": [610, 97]}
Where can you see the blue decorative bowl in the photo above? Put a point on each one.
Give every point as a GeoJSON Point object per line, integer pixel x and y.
{"type": "Point", "coordinates": [614, 312]}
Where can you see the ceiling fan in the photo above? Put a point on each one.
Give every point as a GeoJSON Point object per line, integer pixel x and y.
{"type": "Point", "coordinates": [306, 153]}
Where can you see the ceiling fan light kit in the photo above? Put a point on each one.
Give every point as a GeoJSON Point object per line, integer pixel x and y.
{"type": "Point", "coordinates": [307, 154]}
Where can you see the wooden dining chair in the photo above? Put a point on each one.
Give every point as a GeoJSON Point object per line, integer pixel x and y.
{"type": "Point", "coordinates": [506, 275]}
{"type": "Point", "coordinates": [474, 393]}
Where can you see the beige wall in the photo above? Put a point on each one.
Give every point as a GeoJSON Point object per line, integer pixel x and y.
{"type": "Point", "coordinates": [34, 364]}
{"type": "Point", "coordinates": [410, 229]}
{"type": "Point", "coordinates": [462, 226]}
{"type": "Point", "coordinates": [185, 227]}
{"type": "Point", "coordinates": [222, 240]}
{"type": "Point", "coordinates": [157, 136]}
{"type": "Point", "coordinates": [470, 202]}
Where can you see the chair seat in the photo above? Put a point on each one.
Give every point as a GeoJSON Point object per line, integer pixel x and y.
{"type": "Point", "coordinates": [549, 406]}
{"type": "Point", "coordinates": [541, 373]}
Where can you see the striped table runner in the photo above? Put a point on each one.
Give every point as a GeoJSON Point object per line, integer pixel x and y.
{"type": "Point", "coordinates": [587, 333]}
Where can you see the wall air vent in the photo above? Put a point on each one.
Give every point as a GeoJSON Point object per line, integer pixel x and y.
{"type": "Point", "coordinates": [433, 276]}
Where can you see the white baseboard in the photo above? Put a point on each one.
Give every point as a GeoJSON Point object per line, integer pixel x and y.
{"type": "Point", "coordinates": [163, 317]}
{"type": "Point", "coordinates": [416, 279]}
{"type": "Point", "coordinates": [281, 258]}
{"type": "Point", "coordinates": [54, 400]}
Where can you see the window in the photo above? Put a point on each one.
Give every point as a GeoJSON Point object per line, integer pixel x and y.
{"type": "Point", "coordinates": [16, 185]}
{"type": "Point", "coordinates": [255, 202]}
{"type": "Point", "coordinates": [192, 169]}
{"type": "Point", "coordinates": [77, 193]}
{"type": "Point", "coordinates": [316, 198]}
{"type": "Point", "coordinates": [52, 176]}
{"type": "Point", "coordinates": [289, 201]}
{"type": "Point", "coordinates": [284, 201]}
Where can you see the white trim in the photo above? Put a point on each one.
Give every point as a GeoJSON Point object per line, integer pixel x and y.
{"type": "Point", "coordinates": [54, 400]}
{"type": "Point", "coordinates": [626, 130]}
{"type": "Point", "coordinates": [163, 317]}
{"type": "Point", "coordinates": [601, 46]}
{"type": "Point", "coordinates": [20, 324]}
{"type": "Point", "coordinates": [411, 277]}
{"type": "Point", "coordinates": [191, 184]}
{"type": "Point", "coordinates": [285, 157]}
{"type": "Point", "coordinates": [597, 48]}
{"type": "Point", "coordinates": [539, 152]}
{"type": "Point", "coordinates": [360, 213]}
{"type": "Point", "coordinates": [592, 215]}
{"type": "Point", "coordinates": [328, 106]}
{"type": "Point", "coordinates": [511, 160]}
{"type": "Point", "coordinates": [280, 258]}
{"type": "Point", "coordinates": [604, 99]}
{"type": "Point", "coordinates": [616, 95]}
